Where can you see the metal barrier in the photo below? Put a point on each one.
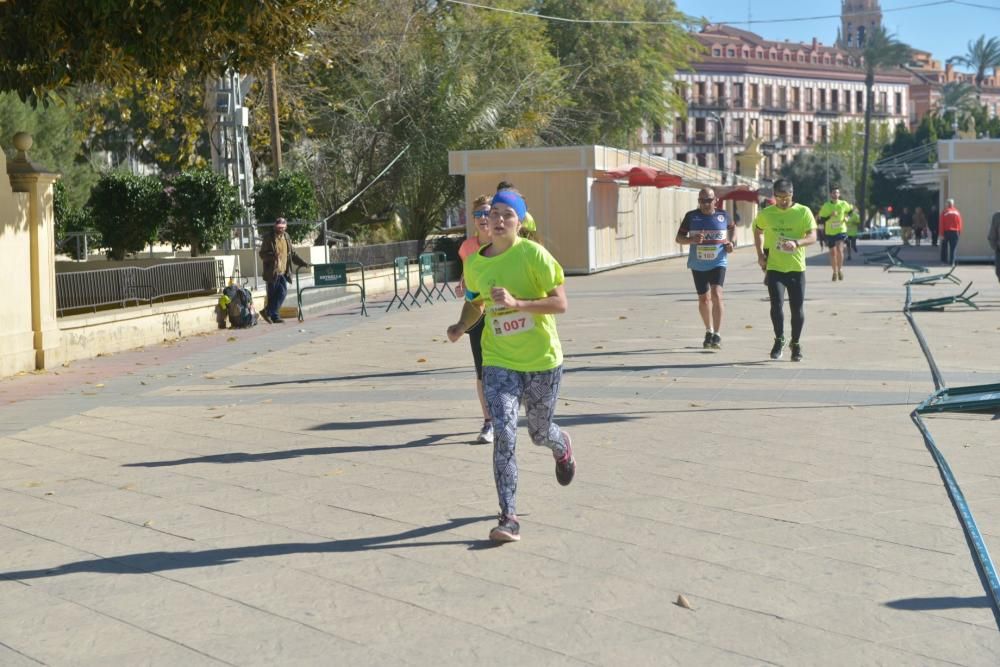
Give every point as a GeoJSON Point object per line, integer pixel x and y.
{"type": "Point", "coordinates": [331, 275]}
{"type": "Point", "coordinates": [425, 270]}
{"type": "Point", "coordinates": [79, 290]}
{"type": "Point", "coordinates": [400, 274]}
{"type": "Point", "coordinates": [441, 265]}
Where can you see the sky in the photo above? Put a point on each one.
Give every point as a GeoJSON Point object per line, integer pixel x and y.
{"type": "Point", "coordinates": [942, 27]}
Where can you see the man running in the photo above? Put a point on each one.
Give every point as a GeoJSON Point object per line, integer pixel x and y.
{"type": "Point", "coordinates": [833, 214]}
{"type": "Point", "coordinates": [783, 231]}
{"type": "Point", "coordinates": [709, 233]}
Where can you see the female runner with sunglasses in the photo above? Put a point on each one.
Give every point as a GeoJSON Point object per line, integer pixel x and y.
{"type": "Point", "coordinates": [480, 215]}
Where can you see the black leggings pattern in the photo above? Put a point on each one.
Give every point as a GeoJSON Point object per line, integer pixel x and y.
{"type": "Point", "coordinates": [504, 390]}
{"type": "Point", "coordinates": [795, 283]}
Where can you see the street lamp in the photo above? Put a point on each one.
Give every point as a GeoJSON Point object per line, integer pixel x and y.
{"type": "Point", "coordinates": [720, 133]}
{"type": "Point", "coordinates": [826, 151]}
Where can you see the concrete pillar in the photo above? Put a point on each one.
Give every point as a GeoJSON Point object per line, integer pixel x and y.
{"type": "Point", "coordinates": [37, 182]}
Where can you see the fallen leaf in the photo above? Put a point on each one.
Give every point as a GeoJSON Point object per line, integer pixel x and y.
{"type": "Point", "coordinates": [683, 602]}
{"type": "Point", "coordinates": [421, 360]}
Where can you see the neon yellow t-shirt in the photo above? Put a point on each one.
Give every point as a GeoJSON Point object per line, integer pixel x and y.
{"type": "Point", "coordinates": [515, 339]}
{"type": "Point", "coordinates": [836, 213]}
{"type": "Point", "coordinates": [853, 222]}
{"type": "Point", "coordinates": [793, 223]}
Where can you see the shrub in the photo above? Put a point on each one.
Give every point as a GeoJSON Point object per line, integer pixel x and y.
{"type": "Point", "coordinates": [204, 206]}
{"type": "Point", "coordinates": [290, 196]}
{"type": "Point", "coordinates": [70, 218]}
{"type": "Point", "coordinates": [128, 211]}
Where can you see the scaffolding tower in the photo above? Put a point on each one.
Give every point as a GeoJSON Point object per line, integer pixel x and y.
{"type": "Point", "coordinates": [231, 149]}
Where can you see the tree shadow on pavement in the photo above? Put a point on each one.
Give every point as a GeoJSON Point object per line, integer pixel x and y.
{"type": "Point", "coordinates": [657, 367]}
{"type": "Point", "coordinates": [163, 561]}
{"type": "Point", "coordinates": [245, 457]}
{"type": "Point", "coordinates": [947, 602]}
{"type": "Point", "coordinates": [346, 378]}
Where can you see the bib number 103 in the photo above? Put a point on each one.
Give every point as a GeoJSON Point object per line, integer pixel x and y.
{"type": "Point", "coordinates": [512, 323]}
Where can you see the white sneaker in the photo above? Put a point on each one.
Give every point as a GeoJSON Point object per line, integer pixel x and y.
{"type": "Point", "coordinates": [486, 433]}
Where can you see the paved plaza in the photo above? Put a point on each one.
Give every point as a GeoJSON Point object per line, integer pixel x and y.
{"type": "Point", "coordinates": [311, 494]}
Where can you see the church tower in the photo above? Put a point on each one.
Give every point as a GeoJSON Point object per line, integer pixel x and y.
{"type": "Point", "coordinates": [857, 18]}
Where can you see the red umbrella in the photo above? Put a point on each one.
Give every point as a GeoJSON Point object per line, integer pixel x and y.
{"type": "Point", "coordinates": [642, 175]}
{"type": "Point", "coordinates": [741, 195]}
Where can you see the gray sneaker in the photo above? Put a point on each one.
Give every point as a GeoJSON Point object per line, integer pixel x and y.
{"type": "Point", "coordinates": [716, 341]}
{"type": "Point", "coordinates": [486, 433]}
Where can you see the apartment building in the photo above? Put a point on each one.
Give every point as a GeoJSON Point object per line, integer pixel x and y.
{"type": "Point", "coordinates": [791, 95]}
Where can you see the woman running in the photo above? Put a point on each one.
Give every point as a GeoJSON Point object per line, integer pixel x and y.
{"type": "Point", "coordinates": [480, 215]}
{"type": "Point", "coordinates": [521, 287]}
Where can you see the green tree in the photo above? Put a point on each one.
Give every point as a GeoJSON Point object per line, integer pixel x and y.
{"type": "Point", "coordinates": [808, 172]}
{"type": "Point", "coordinates": [56, 132]}
{"type": "Point", "coordinates": [70, 217]}
{"type": "Point", "coordinates": [128, 210]}
{"type": "Point", "coordinates": [203, 208]}
{"type": "Point", "coordinates": [48, 45]}
{"type": "Point", "coordinates": [617, 74]}
{"type": "Point", "coordinates": [880, 51]}
{"type": "Point", "coordinates": [390, 78]}
{"type": "Point", "coordinates": [981, 56]}
{"type": "Point", "coordinates": [290, 196]}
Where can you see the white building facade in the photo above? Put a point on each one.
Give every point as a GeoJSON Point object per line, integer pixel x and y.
{"type": "Point", "coordinates": [793, 96]}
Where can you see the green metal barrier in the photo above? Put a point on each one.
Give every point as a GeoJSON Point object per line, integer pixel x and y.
{"type": "Point", "coordinates": [332, 275]}
{"type": "Point", "coordinates": [940, 302]}
{"type": "Point", "coordinates": [401, 274]}
{"type": "Point", "coordinates": [425, 270]}
{"type": "Point", "coordinates": [441, 265]}
{"type": "Point", "coordinates": [931, 280]}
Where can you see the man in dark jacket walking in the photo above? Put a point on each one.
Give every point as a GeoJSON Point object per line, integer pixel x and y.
{"type": "Point", "coordinates": [278, 255]}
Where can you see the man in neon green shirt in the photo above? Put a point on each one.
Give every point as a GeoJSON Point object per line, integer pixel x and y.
{"type": "Point", "coordinates": [834, 214]}
{"type": "Point", "coordinates": [780, 234]}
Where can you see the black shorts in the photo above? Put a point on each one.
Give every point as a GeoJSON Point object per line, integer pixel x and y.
{"type": "Point", "coordinates": [476, 341]}
{"type": "Point", "coordinates": [834, 239]}
{"type": "Point", "coordinates": [704, 279]}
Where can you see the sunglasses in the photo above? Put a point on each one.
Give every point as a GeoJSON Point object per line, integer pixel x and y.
{"type": "Point", "coordinates": [480, 214]}
{"type": "Point", "coordinates": [705, 201]}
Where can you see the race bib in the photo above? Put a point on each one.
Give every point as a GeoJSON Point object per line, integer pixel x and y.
{"type": "Point", "coordinates": [707, 251]}
{"type": "Point", "coordinates": [781, 240]}
{"type": "Point", "coordinates": [512, 323]}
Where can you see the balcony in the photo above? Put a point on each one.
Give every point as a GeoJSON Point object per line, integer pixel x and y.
{"type": "Point", "coordinates": [881, 110]}
{"type": "Point", "coordinates": [830, 109]}
{"type": "Point", "coordinates": [708, 103]}
{"type": "Point", "coordinates": [775, 107]}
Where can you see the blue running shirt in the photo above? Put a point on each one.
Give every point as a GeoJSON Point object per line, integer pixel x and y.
{"type": "Point", "coordinates": [711, 254]}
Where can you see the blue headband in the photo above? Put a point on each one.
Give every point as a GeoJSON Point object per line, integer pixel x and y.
{"type": "Point", "coordinates": [512, 199]}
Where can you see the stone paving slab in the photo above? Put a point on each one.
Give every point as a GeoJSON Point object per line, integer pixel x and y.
{"type": "Point", "coordinates": [311, 492]}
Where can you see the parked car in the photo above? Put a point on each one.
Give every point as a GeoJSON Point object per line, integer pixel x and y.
{"type": "Point", "coordinates": [883, 233]}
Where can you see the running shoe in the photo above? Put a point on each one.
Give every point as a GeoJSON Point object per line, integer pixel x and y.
{"type": "Point", "coordinates": [716, 341]}
{"type": "Point", "coordinates": [566, 465]}
{"type": "Point", "coordinates": [509, 530]}
{"type": "Point", "coordinates": [796, 351]}
{"type": "Point", "coordinates": [779, 343]}
{"type": "Point", "coordinates": [266, 315]}
{"type": "Point", "coordinates": [486, 433]}
{"type": "Point", "coordinates": [840, 275]}
{"type": "Point", "coordinates": [834, 278]}
{"type": "Point", "coordinates": [707, 343]}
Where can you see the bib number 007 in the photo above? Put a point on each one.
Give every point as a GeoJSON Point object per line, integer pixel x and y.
{"type": "Point", "coordinates": [512, 323]}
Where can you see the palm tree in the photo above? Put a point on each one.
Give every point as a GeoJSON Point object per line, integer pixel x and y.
{"type": "Point", "coordinates": [981, 55]}
{"type": "Point", "coordinates": [959, 97]}
{"type": "Point", "coordinates": [879, 51]}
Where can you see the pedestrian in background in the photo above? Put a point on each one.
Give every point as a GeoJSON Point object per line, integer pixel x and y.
{"type": "Point", "coordinates": [951, 229]}
{"type": "Point", "coordinates": [278, 255]}
{"type": "Point", "coordinates": [919, 225]}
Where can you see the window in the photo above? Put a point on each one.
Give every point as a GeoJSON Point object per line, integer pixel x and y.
{"type": "Point", "coordinates": [716, 52]}
{"type": "Point", "coordinates": [859, 101]}
{"type": "Point", "coordinates": [657, 134]}
{"type": "Point", "coordinates": [810, 132]}
{"type": "Point", "coordinates": [731, 53]}
{"type": "Point", "coordinates": [682, 157]}
{"type": "Point", "coordinates": [796, 132]}
{"type": "Point", "coordinates": [899, 104]}
{"type": "Point", "coordinates": [738, 129]}
{"type": "Point", "coordinates": [680, 130]}
{"type": "Point", "coordinates": [702, 161]}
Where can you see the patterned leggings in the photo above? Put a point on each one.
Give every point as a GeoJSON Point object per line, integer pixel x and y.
{"type": "Point", "coordinates": [504, 390]}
